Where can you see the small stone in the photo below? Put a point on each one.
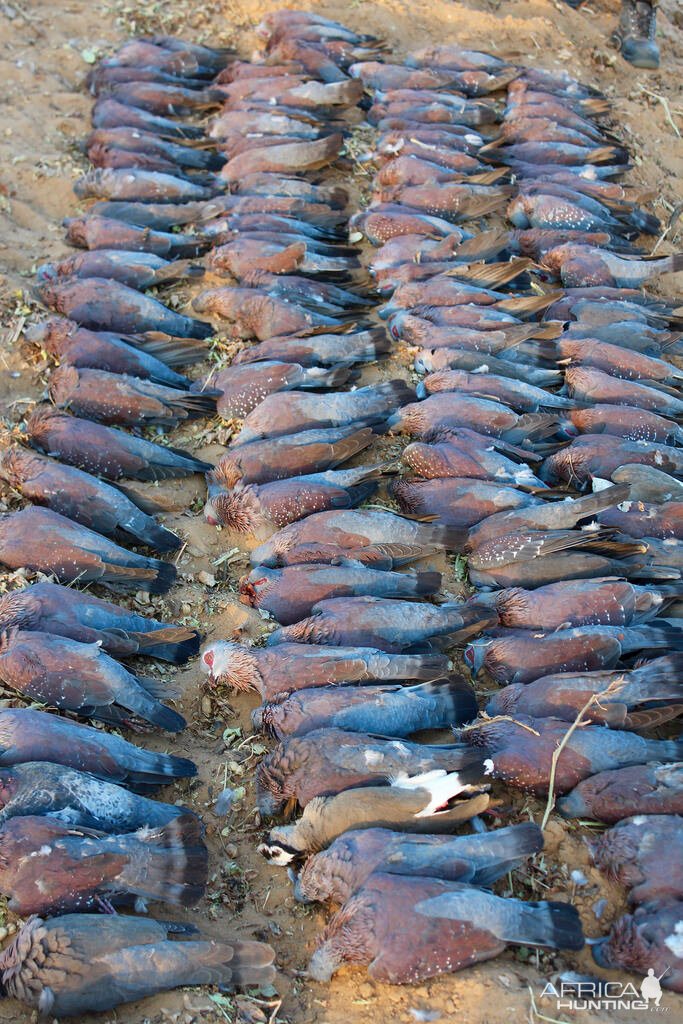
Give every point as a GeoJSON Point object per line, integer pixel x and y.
{"type": "Point", "coordinates": [366, 991]}
{"type": "Point", "coordinates": [206, 707]}
{"type": "Point", "coordinates": [207, 578]}
{"type": "Point", "coordinates": [142, 597]}
{"type": "Point", "coordinates": [186, 608]}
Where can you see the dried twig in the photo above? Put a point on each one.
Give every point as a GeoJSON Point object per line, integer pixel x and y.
{"type": "Point", "coordinates": [485, 719]}
{"type": "Point", "coordinates": [665, 103]}
{"type": "Point", "coordinates": [617, 684]}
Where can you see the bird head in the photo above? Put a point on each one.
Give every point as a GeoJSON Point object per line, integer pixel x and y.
{"type": "Point", "coordinates": [63, 383]}
{"type": "Point", "coordinates": [283, 845]}
{"type": "Point", "coordinates": [237, 510]}
{"type": "Point", "coordinates": [255, 586]}
{"type": "Point", "coordinates": [474, 656]}
{"type": "Point", "coordinates": [232, 665]}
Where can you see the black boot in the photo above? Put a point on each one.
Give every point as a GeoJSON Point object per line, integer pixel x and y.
{"type": "Point", "coordinates": [635, 33]}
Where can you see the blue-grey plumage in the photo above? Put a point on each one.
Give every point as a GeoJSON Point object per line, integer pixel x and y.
{"type": "Point", "coordinates": [76, 798]}
{"type": "Point", "coordinates": [386, 710]}
{"type": "Point", "coordinates": [336, 873]}
{"type": "Point", "coordinates": [106, 451]}
{"type": "Point", "coordinates": [387, 624]}
{"type": "Point", "coordinates": [611, 796]}
{"type": "Point", "coordinates": [80, 677]}
{"type": "Point", "coordinates": [288, 594]}
{"type": "Point", "coordinates": [83, 498]}
{"type": "Point", "coordinates": [30, 735]}
{"type": "Point", "coordinates": [98, 962]}
{"type": "Point", "coordinates": [140, 270]}
{"type": "Point", "coordinates": [78, 615]}
{"type": "Point", "coordinates": [41, 539]}
{"type": "Point", "coordinates": [133, 183]}
{"type": "Point", "coordinates": [447, 358]}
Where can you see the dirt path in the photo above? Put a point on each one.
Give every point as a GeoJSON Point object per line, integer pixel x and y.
{"type": "Point", "coordinates": [44, 55]}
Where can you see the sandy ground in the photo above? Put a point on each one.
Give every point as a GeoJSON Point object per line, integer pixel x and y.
{"type": "Point", "coordinates": [44, 55]}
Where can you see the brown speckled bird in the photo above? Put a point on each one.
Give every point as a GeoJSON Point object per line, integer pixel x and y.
{"type": "Point", "coordinates": [645, 854]}
{"type": "Point", "coordinates": [521, 751]}
{"type": "Point", "coordinates": [588, 384]}
{"type": "Point", "coordinates": [612, 796]}
{"type": "Point", "coordinates": [389, 710]}
{"type": "Point", "coordinates": [606, 602]}
{"type": "Point", "coordinates": [80, 677]}
{"type": "Point", "coordinates": [43, 540]}
{"type": "Point", "coordinates": [289, 594]}
{"type": "Point", "coordinates": [80, 963]}
{"type": "Point", "coordinates": [623, 421]}
{"type": "Point", "coordinates": [260, 509]}
{"type": "Point", "coordinates": [279, 458]}
{"type": "Point", "coordinates": [646, 942]}
{"type": "Point", "coordinates": [106, 451]}
{"type": "Point", "coordinates": [83, 498]}
{"type": "Point", "coordinates": [637, 698]}
{"type": "Point", "coordinates": [521, 655]}
{"type": "Point", "coordinates": [285, 668]}
{"type": "Point", "coordinates": [338, 872]}
{"type": "Point", "coordinates": [459, 502]}
{"type": "Point", "coordinates": [593, 455]}
{"type": "Point", "coordinates": [431, 802]}
{"type": "Point", "coordinates": [243, 387]}
{"type": "Point", "coordinates": [407, 929]}
{"type": "Point", "coordinates": [130, 401]}
{"type": "Point", "coordinates": [48, 867]}
{"type": "Point", "coordinates": [291, 411]}
{"type": "Point", "coordinates": [327, 761]}
{"type": "Point", "coordinates": [381, 539]}
{"type": "Point", "coordinates": [387, 624]}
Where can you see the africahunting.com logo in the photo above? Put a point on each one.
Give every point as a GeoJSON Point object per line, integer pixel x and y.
{"type": "Point", "coordinates": [594, 994]}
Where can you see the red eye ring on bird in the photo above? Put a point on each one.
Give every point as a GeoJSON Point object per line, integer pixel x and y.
{"type": "Point", "coordinates": [469, 655]}
{"type": "Point", "coordinates": [208, 658]}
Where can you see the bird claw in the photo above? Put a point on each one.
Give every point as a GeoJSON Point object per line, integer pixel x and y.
{"type": "Point", "coordinates": [105, 906]}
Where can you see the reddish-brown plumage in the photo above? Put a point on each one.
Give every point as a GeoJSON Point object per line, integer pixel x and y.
{"type": "Point", "coordinates": [243, 387]}
{"type": "Point", "coordinates": [272, 671]}
{"type": "Point", "coordinates": [50, 867]}
{"type": "Point", "coordinates": [602, 602]}
{"type": "Point", "coordinates": [637, 519]}
{"type": "Point", "coordinates": [379, 927]}
{"type": "Point", "coordinates": [521, 751]}
{"type": "Point", "coordinates": [616, 360]}
{"type": "Point", "coordinates": [612, 796]}
{"type": "Point", "coordinates": [520, 656]}
{"type": "Point", "coordinates": [589, 384]}
{"type": "Point", "coordinates": [290, 593]}
{"type": "Point", "coordinates": [255, 314]}
{"type": "Point", "coordinates": [279, 458]}
{"type": "Point", "coordinates": [111, 398]}
{"type": "Point", "coordinates": [457, 501]}
{"type": "Point", "coordinates": [631, 423]}
{"type": "Point", "coordinates": [243, 255]}
{"type": "Point", "coordinates": [261, 508]}
{"type": "Point", "coordinates": [291, 157]}
{"type": "Point", "coordinates": [646, 942]}
{"type": "Point", "coordinates": [599, 455]}
{"type": "Point", "coordinates": [328, 761]}
{"type": "Point", "coordinates": [643, 854]}
{"type": "Point", "coordinates": [454, 202]}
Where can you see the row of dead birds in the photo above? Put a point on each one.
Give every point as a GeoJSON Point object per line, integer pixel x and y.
{"type": "Point", "coordinates": [328, 575]}
{"type": "Point", "coordinates": [271, 225]}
